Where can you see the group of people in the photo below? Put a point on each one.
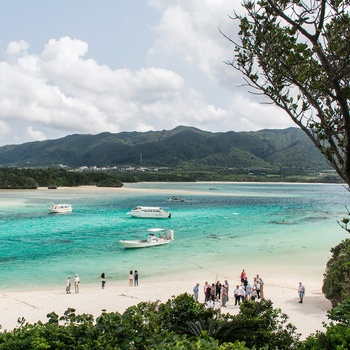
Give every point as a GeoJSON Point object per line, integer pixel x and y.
{"type": "Point", "coordinates": [217, 294]}
{"type": "Point", "coordinates": [133, 278]}
{"type": "Point", "coordinates": [249, 291]}
{"type": "Point", "coordinates": [69, 284]}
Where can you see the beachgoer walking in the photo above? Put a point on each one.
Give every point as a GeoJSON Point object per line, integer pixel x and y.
{"type": "Point", "coordinates": [103, 280]}
{"type": "Point", "coordinates": [301, 292]}
{"type": "Point", "coordinates": [136, 278]}
{"type": "Point", "coordinates": [131, 278]}
{"type": "Point", "coordinates": [261, 286]}
{"type": "Point", "coordinates": [218, 289]}
{"type": "Point", "coordinates": [76, 283]}
{"type": "Point", "coordinates": [195, 292]}
{"type": "Point", "coordinates": [205, 289]}
{"type": "Point", "coordinates": [242, 276]}
{"type": "Point", "coordinates": [68, 285]}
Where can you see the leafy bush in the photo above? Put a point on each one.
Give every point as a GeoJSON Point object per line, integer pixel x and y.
{"type": "Point", "coordinates": [154, 325]}
{"type": "Point", "coordinates": [336, 283]}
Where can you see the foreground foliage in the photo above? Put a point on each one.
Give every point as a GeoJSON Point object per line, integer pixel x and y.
{"type": "Point", "coordinates": [336, 283]}
{"type": "Point", "coordinates": [154, 325]}
{"type": "Point", "coordinates": [182, 324]}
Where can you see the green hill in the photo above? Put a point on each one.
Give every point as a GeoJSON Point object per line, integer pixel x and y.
{"type": "Point", "coordinates": [182, 146]}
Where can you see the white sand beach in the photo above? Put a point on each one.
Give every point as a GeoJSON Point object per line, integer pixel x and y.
{"type": "Point", "coordinates": [117, 296]}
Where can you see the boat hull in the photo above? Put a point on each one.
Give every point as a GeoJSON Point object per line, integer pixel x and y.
{"type": "Point", "coordinates": [149, 213]}
{"type": "Point", "coordinates": [151, 241]}
{"type": "Point", "coordinates": [142, 244]}
{"type": "Point", "coordinates": [60, 208]}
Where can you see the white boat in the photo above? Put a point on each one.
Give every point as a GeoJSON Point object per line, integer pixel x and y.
{"type": "Point", "coordinates": [164, 237]}
{"type": "Point", "coordinates": [175, 199]}
{"type": "Point", "coordinates": [149, 212]}
{"type": "Point", "coordinates": [60, 208]}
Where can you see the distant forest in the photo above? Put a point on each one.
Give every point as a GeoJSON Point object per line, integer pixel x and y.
{"type": "Point", "coordinates": [15, 178]}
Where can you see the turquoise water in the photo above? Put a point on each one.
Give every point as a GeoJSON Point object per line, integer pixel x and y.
{"type": "Point", "coordinates": [219, 223]}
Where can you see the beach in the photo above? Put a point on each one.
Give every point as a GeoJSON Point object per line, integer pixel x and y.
{"type": "Point", "coordinates": [118, 296]}
{"type": "Point", "coordinates": [283, 232]}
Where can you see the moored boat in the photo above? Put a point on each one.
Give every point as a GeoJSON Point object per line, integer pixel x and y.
{"type": "Point", "coordinates": [149, 212]}
{"type": "Point", "coordinates": [60, 208]}
{"type": "Point", "coordinates": [164, 237]}
{"type": "Point", "coordinates": [176, 199]}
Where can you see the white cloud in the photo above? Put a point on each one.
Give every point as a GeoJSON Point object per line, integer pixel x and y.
{"type": "Point", "coordinates": [61, 90]}
{"type": "Point", "coordinates": [16, 47]}
{"type": "Point", "coordinates": [35, 135]}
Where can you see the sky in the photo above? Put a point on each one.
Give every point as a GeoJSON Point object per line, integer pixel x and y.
{"type": "Point", "coordinates": [86, 67]}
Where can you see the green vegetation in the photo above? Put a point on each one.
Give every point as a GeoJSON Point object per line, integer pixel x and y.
{"type": "Point", "coordinates": [153, 325]}
{"type": "Point", "coordinates": [12, 178]}
{"type": "Point", "coordinates": [336, 283]}
{"type": "Point", "coordinates": [296, 53]}
{"type": "Point", "coordinates": [229, 175]}
{"type": "Point", "coordinates": [182, 147]}
{"type": "Point", "coordinates": [181, 323]}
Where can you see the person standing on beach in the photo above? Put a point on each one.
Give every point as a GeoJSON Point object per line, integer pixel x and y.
{"type": "Point", "coordinates": [257, 287]}
{"type": "Point", "coordinates": [136, 278]}
{"type": "Point", "coordinates": [206, 293]}
{"type": "Point", "coordinates": [131, 278]}
{"type": "Point", "coordinates": [212, 292]}
{"type": "Point", "coordinates": [76, 283]}
{"type": "Point", "coordinates": [243, 276]}
{"type": "Point", "coordinates": [195, 292]}
{"type": "Point", "coordinates": [228, 288]}
{"type": "Point", "coordinates": [224, 295]}
{"type": "Point", "coordinates": [103, 280]}
{"type": "Point", "coordinates": [301, 292]}
{"type": "Point", "coordinates": [217, 307]}
{"type": "Point", "coordinates": [248, 290]}
{"type": "Point", "coordinates": [237, 296]}
{"type": "Point", "coordinates": [261, 286]}
{"type": "Point", "coordinates": [68, 285]}
{"type": "Point", "coordinates": [218, 289]}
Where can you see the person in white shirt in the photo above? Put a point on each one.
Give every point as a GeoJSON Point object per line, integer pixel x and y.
{"type": "Point", "coordinates": [217, 306]}
{"type": "Point", "coordinates": [76, 283]}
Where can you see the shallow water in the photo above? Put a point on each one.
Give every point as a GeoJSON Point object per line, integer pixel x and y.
{"type": "Point", "coordinates": [284, 225]}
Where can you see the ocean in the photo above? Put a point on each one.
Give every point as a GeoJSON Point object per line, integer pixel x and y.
{"type": "Point", "coordinates": [287, 227]}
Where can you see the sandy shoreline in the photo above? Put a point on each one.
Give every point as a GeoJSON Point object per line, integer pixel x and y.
{"type": "Point", "coordinates": [117, 296]}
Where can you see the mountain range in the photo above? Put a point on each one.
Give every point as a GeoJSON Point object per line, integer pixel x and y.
{"type": "Point", "coordinates": [182, 146]}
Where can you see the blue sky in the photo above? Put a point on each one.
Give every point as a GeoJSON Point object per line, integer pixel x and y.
{"type": "Point", "coordinates": [86, 67]}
